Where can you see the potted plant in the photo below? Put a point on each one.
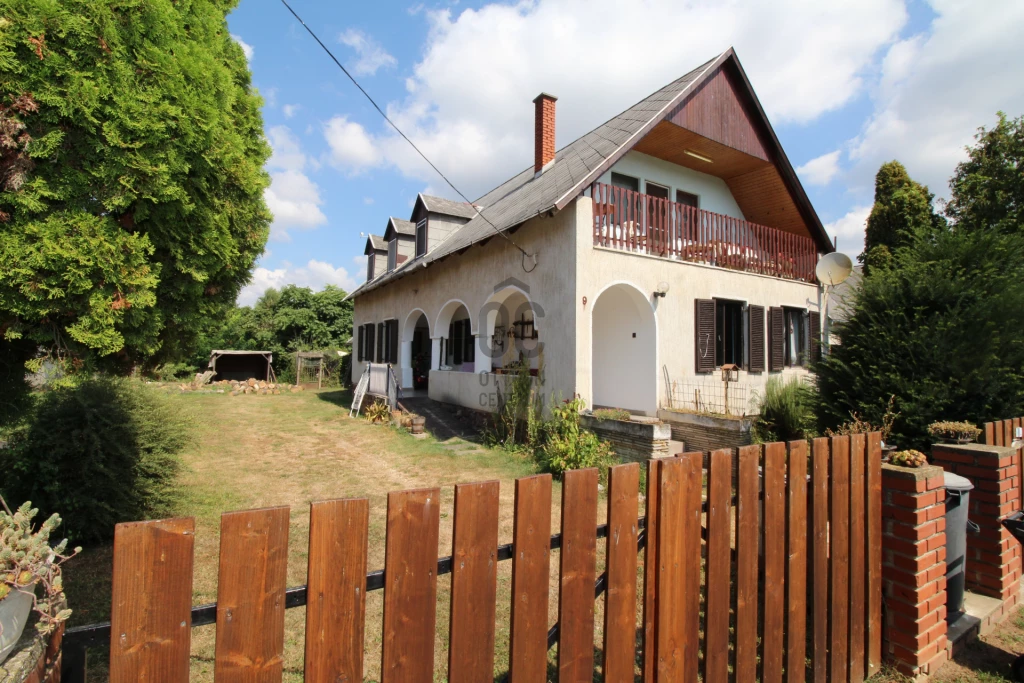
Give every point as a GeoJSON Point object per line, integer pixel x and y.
{"type": "Point", "coordinates": [30, 575]}
{"type": "Point", "coordinates": [857, 425]}
{"type": "Point", "coordinates": [909, 458]}
{"type": "Point", "coordinates": [953, 432]}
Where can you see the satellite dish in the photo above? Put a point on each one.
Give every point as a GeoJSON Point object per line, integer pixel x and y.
{"type": "Point", "coordinates": [833, 268]}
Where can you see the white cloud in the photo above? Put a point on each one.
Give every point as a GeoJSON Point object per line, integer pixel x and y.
{"type": "Point", "coordinates": [292, 197]}
{"type": "Point", "coordinates": [468, 103]}
{"type": "Point", "coordinates": [368, 200]}
{"type": "Point", "coordinates": [938, 87]}
{"type": "Point", "coordinates": [246, 47]}
{"type": "Point", "coordinates": [850, 230]}
{"type": "Point", "coordinates": [351, 147]}
{"type": "Point", "coordinates": [290, 110]}
{"type": "Point", "coordinates": [820, 170]}
{"type": "Point", "coordinates": [315, 275]}
{"type": "Point", "coordinates": [370, 55]}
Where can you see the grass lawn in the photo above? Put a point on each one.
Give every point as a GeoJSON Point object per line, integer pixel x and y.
{"type": "Point", "coordinates": [255, 451]}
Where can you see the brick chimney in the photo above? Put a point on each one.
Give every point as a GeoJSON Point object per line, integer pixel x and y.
{"type": "Point", "coordinates": [544, 131]}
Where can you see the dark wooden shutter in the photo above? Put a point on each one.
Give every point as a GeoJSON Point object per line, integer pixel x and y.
{"type": "Point", "coordinates": [704, 334]}
{"type": "Point", "coordinates": [776, 339]}
{"type": "Point", "coordinates": [468, 346]}
{"type": "Point", "coordinates": [448, 344]}
{"type": "Point", "coordinates": [368, 354]}
{"type": "Point", "coordinates": [814, 331]}
{"type": "Point", "coordinates": [380, 342]}
{"type": "Point", "coordinates": [756, 339]}
{"type": "Point", "coordinates": [457, 340]}
{"type": "Point", "coordinates": [393, 341]}
{"type": "Point", "coordinates": [361, 333]}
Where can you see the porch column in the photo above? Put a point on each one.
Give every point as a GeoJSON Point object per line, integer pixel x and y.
{"type": "Point", "coordinates": [483, 361]}
{"type": "Point", "coordinates": [405, 360]}
{"type": "Point", "coordinates": [435, 353]}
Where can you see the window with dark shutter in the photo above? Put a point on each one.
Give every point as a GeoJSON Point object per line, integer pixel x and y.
{"type": "Point", "coordinates": [704, 334]}
{"type": "Point", "coordinates": [448, 349]}
{"type": "Point", "coordinates": [360, 333]}
{"type": "Point", "coordinates": [776, 339]}
{"type": "Point", "coordinates": [756, 338]}
{"type": "Point", "coordinates": [814, 331]}
{"type": "Point", "coordinates": [379, 356]}
{"type": "Point", "coordinates": [421, 238]}
{"type": "Point", "coordinates": [368, 353]}
{"type": "Point", "coordinates": [393, 341]}
{"type": "Point", "coordinates": [457, 340]}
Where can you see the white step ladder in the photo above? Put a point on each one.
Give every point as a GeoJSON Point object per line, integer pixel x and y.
{"type": "Point", "coordinates": [357, 398]}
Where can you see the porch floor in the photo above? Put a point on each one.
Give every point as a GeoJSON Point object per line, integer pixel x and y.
{"type": "Point", "coordinates": [442, 420]}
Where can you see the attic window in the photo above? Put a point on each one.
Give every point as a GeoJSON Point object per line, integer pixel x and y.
{"type": "Point", "coordinates": [421, 238]}
{"type": "Point", "coordinates": [369, 266]}
{"type": "Point", "coordinates": [392, 254]}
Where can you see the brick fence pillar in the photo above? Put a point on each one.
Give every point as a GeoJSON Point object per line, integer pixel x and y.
{"type": "Point", "coordinates": [993, 556]}
{"type": "Point", "coordinates": [914, 568]}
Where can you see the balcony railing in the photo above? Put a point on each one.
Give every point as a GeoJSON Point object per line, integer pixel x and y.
{"type": "Point", "coordinates": [635, 222]}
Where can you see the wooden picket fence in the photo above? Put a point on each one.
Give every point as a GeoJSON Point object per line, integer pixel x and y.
{"type": "Point", "coordinates": [787, 583]}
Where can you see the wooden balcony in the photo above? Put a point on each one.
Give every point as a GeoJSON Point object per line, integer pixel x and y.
{"type": "Point", "coordinates": [639, 223]}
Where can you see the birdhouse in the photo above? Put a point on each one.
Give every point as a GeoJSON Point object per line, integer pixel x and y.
{"type": "Point", "coordinates": [730, 372]}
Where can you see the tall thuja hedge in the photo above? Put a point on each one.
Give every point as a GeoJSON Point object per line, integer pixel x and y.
{"type": "Point", "coordinates": [131, 176]}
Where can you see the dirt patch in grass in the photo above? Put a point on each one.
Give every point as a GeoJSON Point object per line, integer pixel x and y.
{"type": "Point", "coordinates": [293, 449]}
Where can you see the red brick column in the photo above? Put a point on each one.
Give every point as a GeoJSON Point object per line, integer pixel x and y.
{"type": "Point", "coordinates": [914, 568]}
{"type": "Point", "coordinates": [993, 556]}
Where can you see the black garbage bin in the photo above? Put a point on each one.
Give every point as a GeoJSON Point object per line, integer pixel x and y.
{"type": "Point", "coordinates": [957, 494]}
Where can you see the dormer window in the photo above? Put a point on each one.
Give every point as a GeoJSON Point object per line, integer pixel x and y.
{"type": "Point", "coordinates": [369, 266]}
{"type": "Point", "coordinates": [421, 238]}
{"type": "Point", "coordinates": [392, 254]}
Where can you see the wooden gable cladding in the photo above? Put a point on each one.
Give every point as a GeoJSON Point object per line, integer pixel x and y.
{"type": "Point", "coordinates": [716, 112]}
{"type": "Point", "coordinates": [670, 142]}
{"type": "Point", "coordinates": [763, 198]}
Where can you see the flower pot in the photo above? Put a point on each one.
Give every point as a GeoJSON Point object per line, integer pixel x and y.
{"type": "Point", "coordinates": [417, 423]}
{"type": "Point", "coordinates": [887, 452]}
{"type": "Point", "coordinates": [14, 613]}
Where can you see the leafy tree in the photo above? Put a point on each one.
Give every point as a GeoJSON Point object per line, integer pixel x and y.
{"type": "Point", "coordinates": [131, 177]}
{"type": "Point", "coordinates": [902, 209]}
{"type": "Point", "coordinates": [943, 331]}
{"type": "Point", "coordinates": [988, 188]}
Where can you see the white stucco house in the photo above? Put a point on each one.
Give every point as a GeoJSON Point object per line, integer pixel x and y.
{"type": "Point", "coordinates": [627, 267]}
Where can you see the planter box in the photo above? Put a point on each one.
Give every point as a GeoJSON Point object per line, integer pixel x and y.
{"type": "Point", "coordinates": [632, 441]}
{"type": "Point", "coordinates": [708, 432]}
{"type": "Point", "coordinates": [35, 658]}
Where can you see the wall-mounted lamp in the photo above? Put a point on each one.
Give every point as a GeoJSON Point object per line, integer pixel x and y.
{"type": "Point", "coordinates": [695, 155]}
{"type": "Point", "coordinates": [661, 291]}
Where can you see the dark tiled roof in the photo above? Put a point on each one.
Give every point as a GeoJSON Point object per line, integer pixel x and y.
{"type": "Point", "coordinates": [402, 227]}
{"type": "Point", "coordinates": [447, 207]}
{"type": "Point", "coordinates": [375, 243]}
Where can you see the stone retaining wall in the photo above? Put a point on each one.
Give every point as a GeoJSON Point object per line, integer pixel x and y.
{"type": "Point", "coordinates": [707, 432]}
{"type": "Point", "coordinates": [632, 441]}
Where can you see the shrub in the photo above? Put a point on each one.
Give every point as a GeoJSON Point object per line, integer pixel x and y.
{"type": "Point", "coordinates": [858, 425]}
{"type": "Point", "coordinates": [377, 411]}
{"type": "Point", "coordinates": [516, 425]}
{"type": "Point", "coordinates": [785, 411]}
{"type": "Point", "coordinates": [569, 447]}
{"type": "Point", "coordinates": [102, 451]}
{"type": "Point", "coordinates": [612, 414]}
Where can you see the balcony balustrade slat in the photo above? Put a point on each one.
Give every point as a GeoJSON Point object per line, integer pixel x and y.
{"type": "Point", "coordinates": [631, 221]}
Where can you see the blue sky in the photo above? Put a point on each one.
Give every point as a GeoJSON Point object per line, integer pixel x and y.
{"type": "Point", "coordinates": [847, 85]}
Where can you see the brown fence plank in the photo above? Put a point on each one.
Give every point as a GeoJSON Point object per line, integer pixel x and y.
{"type": "Point", "coordinates": [819, 557]}
{"type": "Point", "coordinates": [796, 571]}
{"type": "Point", "coordinates": [531, 562]}
{"type": "Point", "coordinates": [748, 528]}
{"type": "Point", "coordinates": [620, 598]}
{"type": "Point", "coordinates": [410, 586]}
{"type": "Point", "coordinates": [774, 561]}
{"type": "Point", "coordinates": [678, 585]}
{"type": "Point", "coordinates": [336, 590]}
{"type": "Point", "coordinates": [578, 568]}
{"type": "Point", "coordinates": [1007, 432]}
{"type": "Point", "coordinates": [988, 435]}
{"type": "Point", "coordinates": [650, 640]}
{"type": "Point", "coordinates": [250, 595]}
{"type": "Point", "coordinates": [840, 559]}
{"type": "Point", "coordinates": [474, 583]}
{"type": "Point", "coordinates": [150, 614]}
{"type": "Point", "coordinates": [874, 580]}
{"type": "Point", "coordinates": [718, 573]}
{"type": "Point", "coordinates": [1000, 434]}
{"type": "Point", "coordinates": [858, 556]}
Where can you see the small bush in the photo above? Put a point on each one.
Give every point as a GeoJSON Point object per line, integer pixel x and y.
{"type": "Point", "coordinates": [785, 411]}
{"type": "Point", "coordinates": [612, 414]}
{"type": "Point", "coordinates": [569, 447]}
{"type": "Point", "coordinates": [100, 452]}
{"type": "Point", "coordinates": [959, 431]}
{"type": "Point", "coordinates": [857, 425]}
{"type": "Point", "coordinates": [377, 411]}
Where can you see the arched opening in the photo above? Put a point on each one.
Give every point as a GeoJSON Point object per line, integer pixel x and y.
{"type": "Point", "coordinates": [415, 360]}
{"type": "Point", "coordinates": [624, 360]}
{"type": "Point", "coordinates": [453, 334]}
{"type": "Point", "coordinates": [510, 332]}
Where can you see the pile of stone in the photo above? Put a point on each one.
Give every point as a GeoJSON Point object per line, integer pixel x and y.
{"type": "Point", "coordinates": [236, 387]}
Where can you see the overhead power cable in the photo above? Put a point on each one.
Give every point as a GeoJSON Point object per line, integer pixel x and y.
{"type": "Point", "coordinates": [404, 136]}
